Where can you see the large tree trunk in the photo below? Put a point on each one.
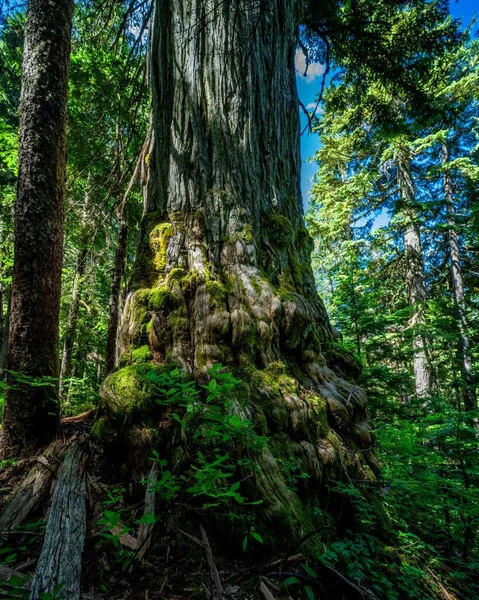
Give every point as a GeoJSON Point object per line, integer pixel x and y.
{"type": "Point", "coordinates": [469, 392]}
{"type": "Point", "coordinates": [31, 413]}
{"type": "Point", "coordinates": [415, 277]}
{"type": "Point", "coordinates": [223, 270]}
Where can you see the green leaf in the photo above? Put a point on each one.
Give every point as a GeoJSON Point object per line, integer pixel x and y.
{"type": "Point", "coordinates": [148, 519]}
{"type": "Point", "coordinates": [311, 572]}
{"type": "Point", "coordinates": [291, 581]}
{"type": "Point", "coordinates": [309, 592]}
{"type": "Point", "coordinates": [257, 537]}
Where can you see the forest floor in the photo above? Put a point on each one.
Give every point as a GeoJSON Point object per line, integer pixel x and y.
{"type": "Point", "coordinates": [179, 562]}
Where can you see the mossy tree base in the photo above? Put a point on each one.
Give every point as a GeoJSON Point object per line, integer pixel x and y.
{"type": "Point", "coordinates": [223, 271]}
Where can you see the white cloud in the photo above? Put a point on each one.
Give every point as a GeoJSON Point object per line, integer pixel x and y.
{"type": "Point", "coordinates": [314, 71]}
{"type": "Point", "coordinates": [316, 107]}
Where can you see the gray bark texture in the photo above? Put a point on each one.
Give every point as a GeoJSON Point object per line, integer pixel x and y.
{"type": "Point", "coordinates": [60, 560]}
{"type": "Point", "coordinates": [4, 332]}
{"type": "Point", "coordinates": [223, 270]}
{"type": "Point", "coordinates": [114, 302]}
{"type": "Point", "coordinates": [31, 413]}
{"type": "Point", "coordinates": [469, 392]}
{"type": "Point", "coordinates": [29, 497]}
{"type": "Point", "coordinates": [416, 280]}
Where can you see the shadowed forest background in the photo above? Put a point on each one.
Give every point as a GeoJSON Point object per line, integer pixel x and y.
{"type": "Point", "coordinates": [233, 418]}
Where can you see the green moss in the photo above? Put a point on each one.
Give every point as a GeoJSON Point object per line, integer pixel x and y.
{"type": "Point", "coordinates": [178, 218]}
{"type": "Point", "coordinates": [179, 325]}
{"type": "Point", "coordinates": [139, 307]}
{"type": "Point", "coordinates": [277, 376]}
{"type": "Point", "coordinates": [246, 234]}
{"type": "Point", "coordinates": [103, 431]}
{"type": "Point", "coordinates": [216, 290]}
{"type": "Point", "coordinates": [255, 285]}
{"type": "Point", "coordinates": [319, 418]}
{"type": "Point", "coordinates": [286, 281]}
{"type": "Point", "coordinates": [190, 281]}
{"type": "Point", "coordinates": [142, 295]}
{"type": "Point", "coordinates": [162, 299]}
{"type": "Point", "coordinates": [141, 355]}
{"type": "Point", "coordinates": [144, 271]}
{"type": "Point", "coordinates": [295, 267]}
{"type": "Point", "coordinates": [149, 326]}
{"type": "Point", "coordinates": [279, 229]}
{"type": "Point", "coordinates": [176, 274]}
{"type": "Point", "coordinates": [159, 239]}
{"type": "Point", "coordinates": [276, 369]}
{"type": "Point", "coordinates": [128, 391]}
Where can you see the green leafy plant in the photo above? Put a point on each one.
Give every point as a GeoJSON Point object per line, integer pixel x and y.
{"type": "Point", "coordinates": [213, 422]}
{"type": "Point", "coordinates": [251, 534]}
{"type": "Point", "coordinates": [113, 529]}
{"type": "Point", "coordinates": [296, 581]}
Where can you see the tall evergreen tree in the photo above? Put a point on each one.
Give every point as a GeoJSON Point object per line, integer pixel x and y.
{"type": "Point", "coordinates": [31, 411]}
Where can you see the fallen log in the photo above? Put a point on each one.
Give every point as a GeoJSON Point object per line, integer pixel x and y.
{"type": "Point", "coordinates": [12, 583]}
{"type": "Point", "coordinates": [146, 526]}
{"type": "Point", "coordinates": [59, 566]}
{"type": "Point", "coordinates": [81, 417]}
{"type": "Point", "coordinates": [34, 488]}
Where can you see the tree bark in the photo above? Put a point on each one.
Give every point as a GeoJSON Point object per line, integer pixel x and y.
{"type": "Point", "coordinates": [31, 413]}
{"type": "Point", "coordinates": [70, 329]}
{"type": "Point", "coordinates": [469, 392]}
{"type": "Point", "coordinates": [28, 498]}
{"type": "Point", "coordinates": [223, 270]}
{"type": "Point", "coordinates": [114, 304]}
{"type": "Point", "coordinates": [71, 326]}
{"type": "Point", "coordinates": [416, 280]}
{"type": "Point", "coordinates": [5, 329]}
{"type": "Point", "coordinates": [59, 565]}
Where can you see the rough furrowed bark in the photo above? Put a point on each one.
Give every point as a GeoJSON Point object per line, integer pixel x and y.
{"type": "Point", "coordinates": [223, 272]}
{"type": "Point", "coordinates": [31, 411]}
{"type": "Point", "coordinates": [29, 497]}
{"type": "Point", "coordinates": [59, 567]}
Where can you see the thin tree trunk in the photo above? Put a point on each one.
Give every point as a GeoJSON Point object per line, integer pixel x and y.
{"type": "Point", "coordinates": [5, 299]}
{"type": "Point", "coordinates": [119, 262]}
{"type": "Point", "coordinates": [2, 314]}
{"type": "Point", "coordinates": [6, 295]}
{"type": "Point", "coordinates": [416, 280]}
{"type": "Point", "coordinates": [31, 413]}
{"type": "Point", "coordinates": [114, 304]}
{"type": "Point", "coordinates": [469, 392]}
{"type": "Point", "coordinates": [117, 295]}
{"type": "Point", "coordinates": [71, 326]}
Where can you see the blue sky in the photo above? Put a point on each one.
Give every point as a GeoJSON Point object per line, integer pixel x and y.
{"type": "Point", "coordinates": [308, 88]}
